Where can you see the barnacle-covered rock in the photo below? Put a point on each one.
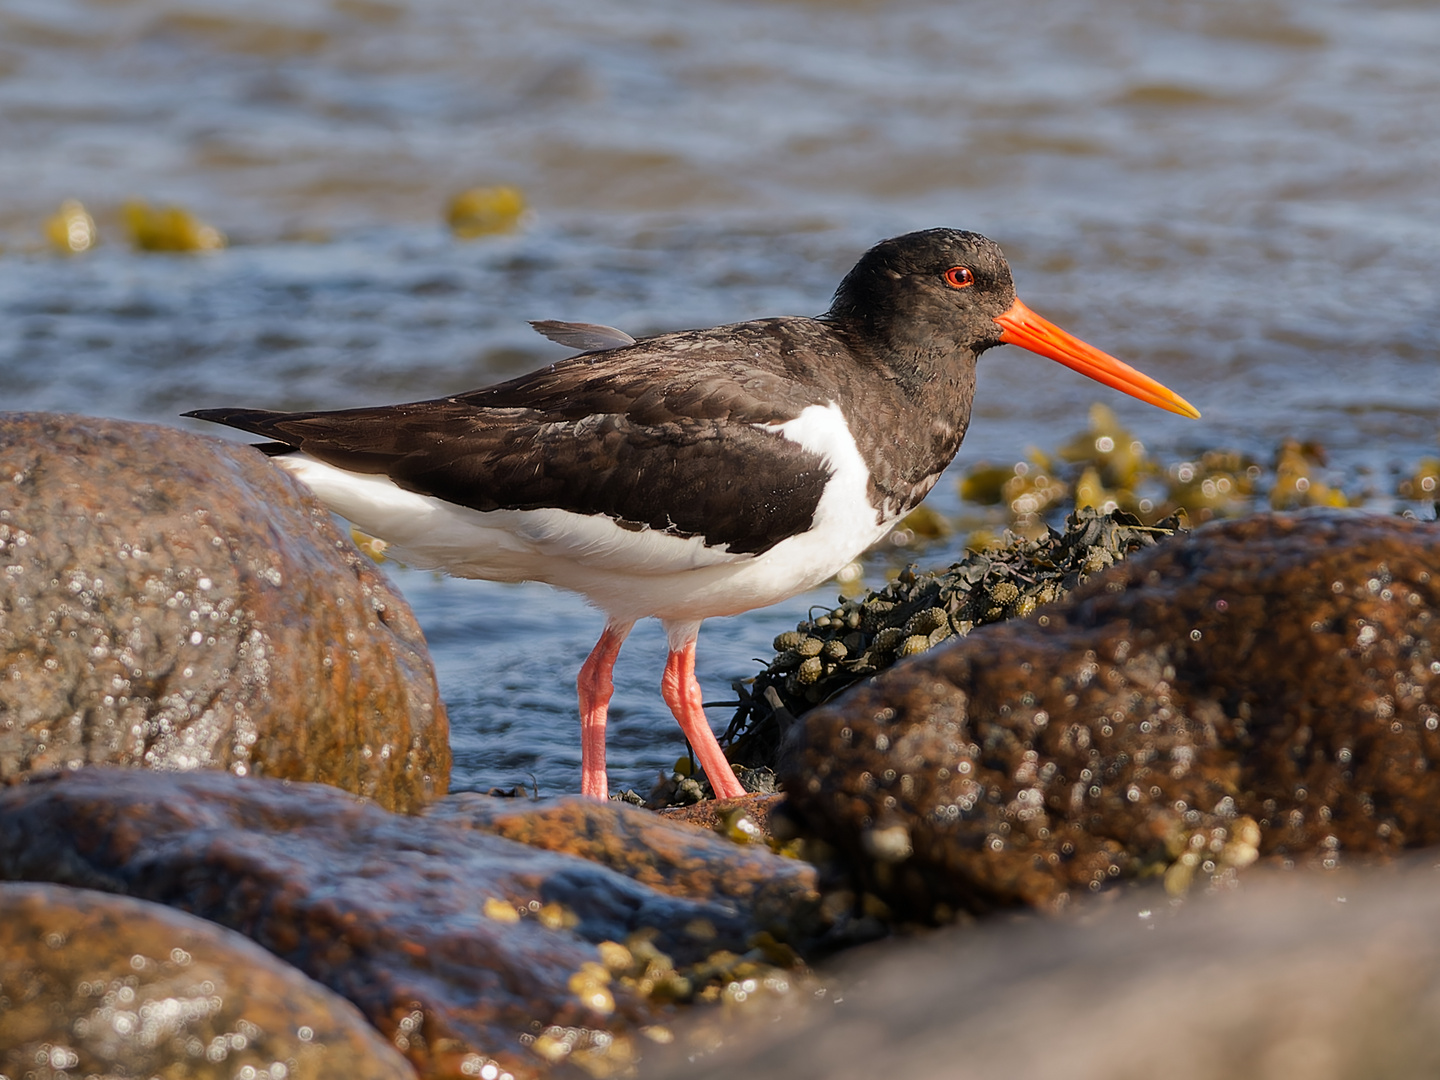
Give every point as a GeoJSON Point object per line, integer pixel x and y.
{"type": "Point", "coordinates": [172, 601]}
{"type": "Point", "coordinates": [111, 986]}
{"type": "Point", "coordinates": [1262, 687]}
{"type": "Point", "coordinates": [490, 937]}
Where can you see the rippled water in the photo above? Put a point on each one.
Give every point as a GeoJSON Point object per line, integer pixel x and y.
{"type": "Point", "coordinates": [1239, 197]}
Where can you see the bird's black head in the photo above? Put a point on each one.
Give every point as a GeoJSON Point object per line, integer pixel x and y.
{"type": "Point", "coordinates": [925, 304]}
{"type": "Point", "coordinates": [927, 293]}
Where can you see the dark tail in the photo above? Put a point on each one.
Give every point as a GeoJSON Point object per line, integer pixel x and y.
{"type": "Point", "coordinates": [255, 421]}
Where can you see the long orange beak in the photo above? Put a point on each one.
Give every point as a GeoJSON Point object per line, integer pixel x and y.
{"type": "Point", "coordinates": [1023, 327]}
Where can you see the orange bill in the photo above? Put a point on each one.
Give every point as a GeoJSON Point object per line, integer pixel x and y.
{"type": "Point", "coordinates": [1024, 328]}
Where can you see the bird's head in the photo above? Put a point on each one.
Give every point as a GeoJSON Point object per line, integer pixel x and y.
{"type": "Point", "coordinates": [946, 292]}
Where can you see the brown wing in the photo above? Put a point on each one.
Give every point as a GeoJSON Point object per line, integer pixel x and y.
{"type": "Point", "coordinates": [626, 434]}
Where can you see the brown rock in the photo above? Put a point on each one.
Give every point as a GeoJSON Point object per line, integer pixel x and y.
{"type": "Point", "coordinates": [1303, 975]}
{"type": "Point", "coordinates": [174, 602]}
{"type": "Point", "coordinates": [1268, 686]}
{"type": "Point", "coordinates": [96, 984]}
{"type": "Point", "coordinates": [460, 946]}
{"type": "Point", "coordinates": [718, 815]}
{"type": "Point", "coordinates": [670, 856]}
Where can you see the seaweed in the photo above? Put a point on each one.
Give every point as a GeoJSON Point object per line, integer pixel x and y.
{"type": "Point", "coordinates": [917, 611]}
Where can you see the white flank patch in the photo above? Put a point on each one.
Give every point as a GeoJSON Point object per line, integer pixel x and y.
{"type": "Point", "coordinates": [630, 574]}
{"type": "Point", "coordinates": [845, 523]}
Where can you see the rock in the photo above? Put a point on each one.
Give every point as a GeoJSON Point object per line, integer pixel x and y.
{"type": "Point", "coordinates": [463, 948]}
{"type": "Point", "coordinates": [721, 815]}
{"type": "Point", "coordinates": [1268, 687]}
{"type": "Point", "coordinates": [665, 854]}
{"type": "Point", "coordinates": [174, 602]}
{"type": "Point", "coordinates": [96, 984]}
{"type": "Point", "coordinates": [1300, 975]}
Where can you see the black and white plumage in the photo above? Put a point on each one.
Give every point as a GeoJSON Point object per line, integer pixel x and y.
{"type": "Point", "coordinates": [692, 474]}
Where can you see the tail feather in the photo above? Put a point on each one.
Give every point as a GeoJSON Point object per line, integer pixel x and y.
{"type": "Point", "coordinates": [255, 421]}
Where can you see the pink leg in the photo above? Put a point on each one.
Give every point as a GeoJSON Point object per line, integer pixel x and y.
{"type": "Point", "coordinates": [682, 694]}
{"type": "Point", "coordinates": [595, 686]}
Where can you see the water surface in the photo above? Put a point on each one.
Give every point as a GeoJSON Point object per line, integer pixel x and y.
{"type": "Point", "coordinates": [1239, 198]}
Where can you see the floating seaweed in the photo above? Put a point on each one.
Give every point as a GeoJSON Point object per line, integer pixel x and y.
{"type": "Point", "coordinates": [1107, 468]}
{"type": "Point", "coordinates": [1423, 483]}
{"type": "Point", "coordinates": [483, 211]}
{"type": "Point", "coordinates": [917, 611]}
{"type": "Point", "coordinates": [169, 228]}
{"type": "Point", "coordinates": [72, 229]}
{"type": "Point", "coordinates": [1297, 483]}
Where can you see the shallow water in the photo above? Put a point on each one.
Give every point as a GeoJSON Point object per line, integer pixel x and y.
{"type": "Point", "coordinates": [1239, 198]}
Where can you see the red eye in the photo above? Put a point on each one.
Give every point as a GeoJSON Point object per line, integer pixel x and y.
{"type": "Point", "coordinates": [958, 277]}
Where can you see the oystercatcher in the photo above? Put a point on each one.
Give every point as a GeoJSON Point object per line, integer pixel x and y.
{"type": "Point", "coordinates": [699, 473]}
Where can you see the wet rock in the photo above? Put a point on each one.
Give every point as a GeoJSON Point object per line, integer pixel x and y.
{"type": "Point", "coordinates": [97, 984]}
{"type": "Point", "coordinates": [463, 948]}
{"type": "Point", "coordinates": [667, 855]}
{"type": "Point", "coordinates": [1300, 975]}
{"type": "Point", "coordinates": [721, 815]}
{"type": "Point", "coordinates": [1263, 687]}
{"type": "Point", "coordinates": [174, 602]}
